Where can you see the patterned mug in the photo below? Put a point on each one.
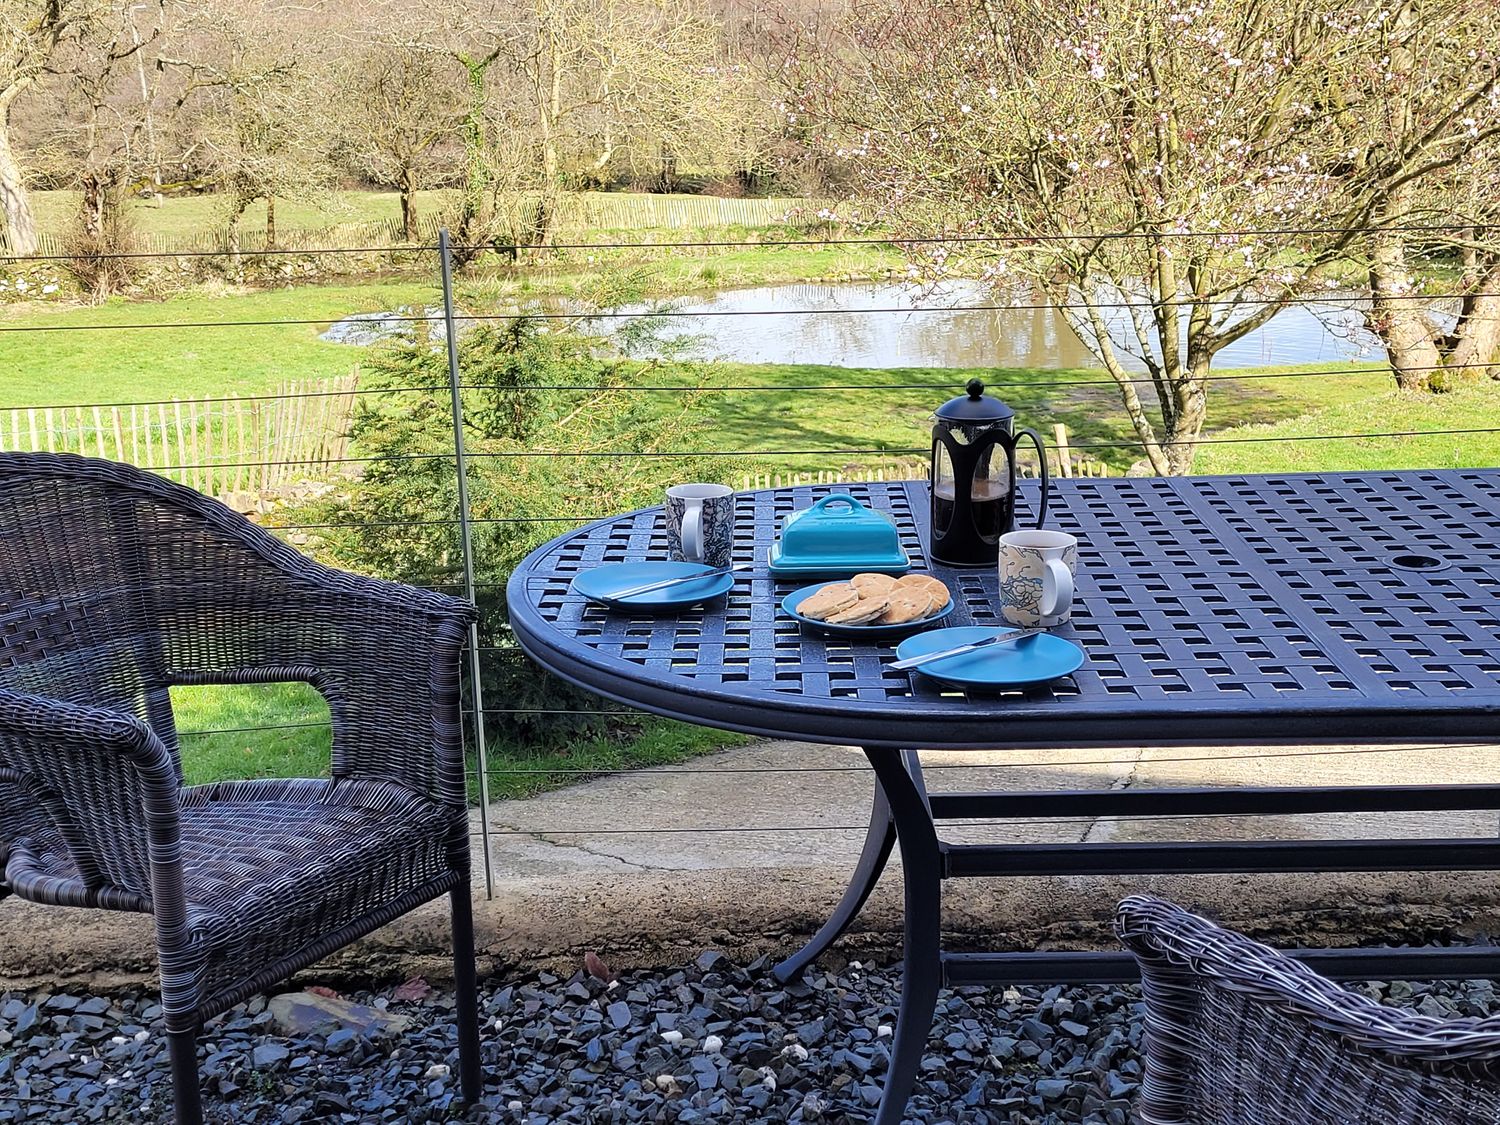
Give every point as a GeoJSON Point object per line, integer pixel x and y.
{"type": "Point", "coordinates": [1036, 577]}
{"type": "Point", "coordinates": [700, 523]}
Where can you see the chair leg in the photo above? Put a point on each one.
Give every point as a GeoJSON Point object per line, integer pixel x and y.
{"type": "Point", "coordinates": [465, 993]}
{"type": "Point", "coordinates": [187, 1099]}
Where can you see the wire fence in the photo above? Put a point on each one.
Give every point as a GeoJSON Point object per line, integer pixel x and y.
{"type": "Point", "coordinates": [253, 448]}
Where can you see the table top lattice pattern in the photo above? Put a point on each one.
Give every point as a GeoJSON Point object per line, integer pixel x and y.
{"type": "Point", "coordinates": [1264, 608]}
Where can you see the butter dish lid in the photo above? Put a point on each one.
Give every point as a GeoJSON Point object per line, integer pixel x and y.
{"type": "Point", "coordinates": [836, 531]}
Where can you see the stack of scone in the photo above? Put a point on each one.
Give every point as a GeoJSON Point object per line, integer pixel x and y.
{"type": "Point", "coordinates": [876, 599]}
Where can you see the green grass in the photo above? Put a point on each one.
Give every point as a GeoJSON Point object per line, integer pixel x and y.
{"type": "Point", "coordinates": [268, 730]}
{"type": "Point", "coordinates": [281, 730]}
{"type": "Point", "coordinates": [598, 216]}
{"type": "Point", "coordinates": [116, 362]}
{"type": "Point", "coordinates": [898, 419]}
{"type": "Point", "coordinates": [55, 210]}
{"type": "Point", "coordinates": [111, 361]}
{"type": "Point", "coordinates": [1472, 406]}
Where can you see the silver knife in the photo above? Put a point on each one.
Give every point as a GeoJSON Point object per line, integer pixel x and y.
{"type": "Point", "coordinates": [960, 650]}
{"type": "Point", "coordinates": [666, 583]}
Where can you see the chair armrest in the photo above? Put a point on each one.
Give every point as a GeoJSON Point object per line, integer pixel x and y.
{"type": "Point", "coordinates": [1173, 944]}
{"type": "Point", "coordinates": [386, 656]}
{"type": "Point", "coordinates": [103, 785]}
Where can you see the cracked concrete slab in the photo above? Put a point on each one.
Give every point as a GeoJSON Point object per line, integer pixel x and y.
{"type": "Point", "coordinates": [621, 865]}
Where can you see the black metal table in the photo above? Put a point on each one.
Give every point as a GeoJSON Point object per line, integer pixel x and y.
{"type": "Point", "coordinates": [1361, 607]}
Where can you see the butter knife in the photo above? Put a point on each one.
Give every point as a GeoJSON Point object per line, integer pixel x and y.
{"type": "Point", "coordinates": [668, 583]}
{"type": "Point", "coordinates": [960, 650]}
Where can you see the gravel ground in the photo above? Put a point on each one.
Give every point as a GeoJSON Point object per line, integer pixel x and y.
{"type": "Point", "coordinates": [710, 1042]}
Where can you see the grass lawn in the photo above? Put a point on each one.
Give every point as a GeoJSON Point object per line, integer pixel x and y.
{"type": "Point", "coordinates": [114, 362]}
{"type": "Point", "coordinates": [896, 415]}
{"type": "Point", "coordinates": [1472, 406]}
{"type": "Point", "coordinates": [281, 730]}
{"type": "Point", "coordinates": [55, 210]}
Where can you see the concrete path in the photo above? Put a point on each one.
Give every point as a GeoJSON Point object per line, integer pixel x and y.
{"type": "Point", "coordinates": [747, 850]}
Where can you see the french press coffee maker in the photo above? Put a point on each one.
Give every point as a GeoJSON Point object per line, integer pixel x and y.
{"type": "Point", "coordinates": [974, 477]}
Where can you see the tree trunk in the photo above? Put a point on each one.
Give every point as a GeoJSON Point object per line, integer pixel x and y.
{"type": "Point", "coordinates": [1397, 319]}
{"type": "Point", "coordinates": [1190, 393]}
{"type": "Point", "coordinates": [270, 222]}
{"type": "Point", "coordinates": [469, 229]}
{"type": "Point", "coordinates": [236, 263]}
{"type": "Point", "coordinates": [91, 267]}
{"type": "Point", "coordinates": [408, 188]}
{"type": "Point", "coordinates": [1474, 347]}
{"type": "Point", "coordinates": [20, 223]}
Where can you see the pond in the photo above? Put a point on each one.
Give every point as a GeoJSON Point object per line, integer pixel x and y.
{"type": "Point", "coordinates": [960, 325]}
{"type": "Point", "coordinates": [897, 326]}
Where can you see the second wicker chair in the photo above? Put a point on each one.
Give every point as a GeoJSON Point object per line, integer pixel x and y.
{"type": "Point", "coordinates": [1239, 1034]}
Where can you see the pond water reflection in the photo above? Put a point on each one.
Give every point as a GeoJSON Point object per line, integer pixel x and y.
{"type": "Point", "coordinates": [834, 324]}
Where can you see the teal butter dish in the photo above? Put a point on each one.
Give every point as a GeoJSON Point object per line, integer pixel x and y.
{"type": "Point", "coordinates": [838, 535]}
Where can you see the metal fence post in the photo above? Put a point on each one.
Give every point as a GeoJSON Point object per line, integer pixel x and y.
{"type": "Point", "coordinates": [445, 255]}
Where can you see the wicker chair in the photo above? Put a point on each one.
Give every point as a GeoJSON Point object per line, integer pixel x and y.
{"type": "Point", "coordinates": [1238, 1034]}
{"type": "Point", "coordinates": [116, 585]}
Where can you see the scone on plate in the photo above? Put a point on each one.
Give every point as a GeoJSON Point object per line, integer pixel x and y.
{"type": "Point", "coordinates": [861, 612]}
{"type": "Point", "coordinates": [934, 587]}
{"type": "Point", "coordinates": [823, 603]}
{"type": "Point", "coordinates": [871, 585]}
{"type": "Point", "coordinates": [906, 604]}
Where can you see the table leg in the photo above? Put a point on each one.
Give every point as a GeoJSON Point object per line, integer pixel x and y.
{"type": "Point", "coordinates": [922, 867]}
{"type": "Point", "coordinates": [879, 839]}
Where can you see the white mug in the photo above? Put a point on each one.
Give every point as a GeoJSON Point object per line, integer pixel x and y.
{"type": "Point", "coordinates": [1036, 577]}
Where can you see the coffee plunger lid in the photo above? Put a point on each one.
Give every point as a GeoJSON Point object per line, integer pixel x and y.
{"type": "Point", "coordinates": [975, 407]}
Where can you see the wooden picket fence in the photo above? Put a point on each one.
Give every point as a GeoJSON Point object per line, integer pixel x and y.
{"type": "Point", "coordinates": [1062, 460]}
{"type": "Point", "coordinates": [579, 212]}
{"type": "Point", "coordinates": [218, 446]}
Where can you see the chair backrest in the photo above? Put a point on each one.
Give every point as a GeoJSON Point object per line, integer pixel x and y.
{"type": "Point", "coordinates": [76, 622]}
{"type": "Point", "coordinates": [114, 584]}
{"type": "Point", "coordinates": [1238, 1034]}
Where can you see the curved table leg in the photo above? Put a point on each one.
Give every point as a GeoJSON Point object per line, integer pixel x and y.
{"type": "Point", "coordinates": [879, 839]}
{"type": "Point", "coordinates": [922, 866]}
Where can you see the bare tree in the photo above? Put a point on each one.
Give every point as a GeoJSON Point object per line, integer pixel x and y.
{"type": "Point", "coordinates": [399, 108]}
{"type": "Point", "coordinates": [30, 32]}
{"type": "Point", "coordinates": [245, 109]}
{"type": "Point", "coordinates": [559, 90]}
{"type": "Point", "coordinates": [98, 114]}
{"type": "Point", "coordinates": [1419, 123]}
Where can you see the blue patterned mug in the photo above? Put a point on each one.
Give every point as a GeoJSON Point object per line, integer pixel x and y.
{"type": "Point", "coordinates": [1036, 577]}
{"type": "Point", "coordinates": [700, 523]}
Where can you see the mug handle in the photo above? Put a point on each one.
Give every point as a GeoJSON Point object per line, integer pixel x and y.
{"type": "Point", "coordinates": [1041, 456]}
{"type": "Point", "coordinates": [692, 532]}
{"type": "Point", "coordinates": [1057, 588]}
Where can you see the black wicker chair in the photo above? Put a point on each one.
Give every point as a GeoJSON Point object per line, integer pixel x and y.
{"type": "Point", "coordinates": [1238, 1034]}
{"type": "Point", "coordinates": [116, 585]}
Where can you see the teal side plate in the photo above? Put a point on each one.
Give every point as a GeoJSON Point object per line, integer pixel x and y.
{"type": "Point", "coordinates": [790, 603]}
{"type": "Point", "coordinates": [601, 584]}
{"type": "Point", "coordinates": [1031, 660]}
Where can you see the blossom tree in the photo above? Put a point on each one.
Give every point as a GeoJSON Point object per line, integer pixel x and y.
{"type": "Point", "coordinates": [1165, 171]}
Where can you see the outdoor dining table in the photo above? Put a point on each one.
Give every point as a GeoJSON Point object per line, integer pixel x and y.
{"type": "Point", "coordinates": [1342, 607]}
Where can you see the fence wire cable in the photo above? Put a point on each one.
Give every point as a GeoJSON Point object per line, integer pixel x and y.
{"type": "Point", "coordinates": [615, 314]}
{"type": "Point", "coordinates": [1232, 376]}
{"type": "Point", "coordinates": [1473, 230]}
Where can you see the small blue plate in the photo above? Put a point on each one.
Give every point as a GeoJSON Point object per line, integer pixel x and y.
{"type": "Point", "coordinates": [603, 582]}
{"type": "Point", "coordinates": [863, 632]}
{"type": "Point", "coordinates": [1031, 660]}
